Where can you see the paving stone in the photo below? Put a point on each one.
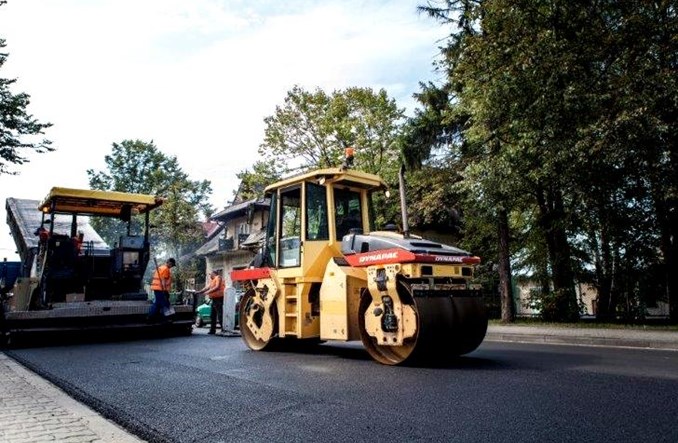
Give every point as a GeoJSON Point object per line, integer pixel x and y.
{"type": "Point", "coordinates": [33, 410]}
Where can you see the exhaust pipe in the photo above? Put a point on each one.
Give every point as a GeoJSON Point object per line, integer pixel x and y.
{"type": "Point", "coordinates": [403, 202]}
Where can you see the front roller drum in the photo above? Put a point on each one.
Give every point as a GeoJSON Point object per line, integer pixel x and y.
{"type": "Point", "coordinates": [258, 323]}
{"type": "Point", "coordinates": [446, 327]}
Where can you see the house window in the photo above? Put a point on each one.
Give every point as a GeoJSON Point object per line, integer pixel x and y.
{"type": "Point", "coordinates": [244, 228]}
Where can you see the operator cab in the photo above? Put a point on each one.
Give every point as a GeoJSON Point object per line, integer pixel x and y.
{"type": "Point", "coordinates": [312, 212]}
{"type": "Point", "coordinates": [81, 263]}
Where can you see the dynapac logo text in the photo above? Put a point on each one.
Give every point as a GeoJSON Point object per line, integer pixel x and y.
{"type": "Point", "coordinates": [378, 257]}
{"type": "Point", "coordinates": [452, 259]}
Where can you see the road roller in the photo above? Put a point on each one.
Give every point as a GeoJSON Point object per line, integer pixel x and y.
{"type": "Point", "coordinates": [325, 273]}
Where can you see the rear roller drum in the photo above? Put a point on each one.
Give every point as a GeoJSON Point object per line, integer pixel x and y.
{"type": "Point", "coordinates": [446, 327]}
{"type": "Point", "coordinates": [387, 355]}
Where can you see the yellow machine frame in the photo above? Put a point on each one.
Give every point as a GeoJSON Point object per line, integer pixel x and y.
{"type": "Point", "coordinates": [93, 202]}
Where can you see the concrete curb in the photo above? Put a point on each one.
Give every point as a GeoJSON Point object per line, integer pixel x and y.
{"type": "Point", "coordinates": [627, 338]}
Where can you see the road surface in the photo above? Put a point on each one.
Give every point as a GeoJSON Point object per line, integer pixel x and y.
{"type": "Point", "coordinates": [205, 388]}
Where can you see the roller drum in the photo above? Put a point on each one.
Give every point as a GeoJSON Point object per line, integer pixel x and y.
{"type": "Point", "coordinates": [256, 321]}
{"type": "Point", "coordinates": [447, 326]}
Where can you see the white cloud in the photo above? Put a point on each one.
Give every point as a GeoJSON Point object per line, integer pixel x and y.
{"type": "Point", "coordinates": [196, 77]}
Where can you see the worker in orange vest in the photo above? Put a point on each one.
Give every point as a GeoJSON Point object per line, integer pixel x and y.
{"type": "Point", "coordinates": [215, 291]}
{"type": "Point", "coordinates": [161, 284]}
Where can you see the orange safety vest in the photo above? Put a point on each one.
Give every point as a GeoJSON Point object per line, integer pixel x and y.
{"type": "Point", "coordinates": [162, 276]}
{"type": "Point", "coordinates": [217, 287]}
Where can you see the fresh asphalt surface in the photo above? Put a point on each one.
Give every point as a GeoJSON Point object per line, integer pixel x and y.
{"type": "Point", "coordinates": [208, 389]}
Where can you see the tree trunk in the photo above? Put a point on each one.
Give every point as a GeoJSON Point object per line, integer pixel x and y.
{"type": "Point", "coordinates": [552, 220]}
{"type": "Point", "coordinates": [672, 274]}
{"type": "Point", "coordinates": [508, 312]}
{"type": "Point", "coordinates": [604, 269]}
{"type": "Point", "coordinates": [667, 214]}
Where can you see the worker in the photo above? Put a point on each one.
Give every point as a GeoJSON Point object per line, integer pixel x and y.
{"type": "Point", "coordinates": [161, 284]}
{"type": "Point", "coordinates": [350, 221]}
{"type": "Point", "coordinates": [215, 291]}
{"type": "Point", "coordinates": [42, 233]}
{"type": "Point", "coordinates": [77, 242]}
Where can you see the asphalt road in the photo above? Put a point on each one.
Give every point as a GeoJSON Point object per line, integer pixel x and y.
{"type": "Point", "coordinates": [211, 389]}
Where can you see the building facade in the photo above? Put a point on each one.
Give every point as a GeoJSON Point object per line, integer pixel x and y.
{"type": "Point", "coordinates": [242, 229]}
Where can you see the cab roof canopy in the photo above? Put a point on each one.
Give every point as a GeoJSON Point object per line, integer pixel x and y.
{"type": "Point", "coordinates": [348, 177]}
{"type": "Point", "coordinates": [99, 203]}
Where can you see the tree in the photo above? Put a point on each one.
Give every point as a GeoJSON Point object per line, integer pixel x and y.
{"type": "Point", "coordinates": [641, 120]}
{"type": "Point", "coordinates": [254, 181]}
{"type": "Point", "coordinates": [438, 135]}
{"type": "Point", "coordinates": [140, 167]}
{"type": "Point", "coordinates": [571, 122]}
{"type": "Point", "coordinates": [311, 130]}
{"type": "Point", "coordinates": [18, 129]}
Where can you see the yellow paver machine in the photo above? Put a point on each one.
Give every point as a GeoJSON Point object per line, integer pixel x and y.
{"type": "Point", "coordinates": [70, 278]}
{"type": "Point", "coordinates": [324, 273]}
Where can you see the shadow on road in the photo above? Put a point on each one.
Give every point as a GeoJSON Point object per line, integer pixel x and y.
{"type": "Point", "coordinates": [36, 339]}
{"type": "Point", "coordinates": [355, 351]}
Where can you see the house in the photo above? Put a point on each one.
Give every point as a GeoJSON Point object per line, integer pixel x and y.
{"type": "Point", "coordinates": [241, 233]}
{"type": "Point", "coordinates": [210, 230]}
{"type": "Point", "coordinates": [587, 296]}
{"type": "Point", "coordinates": [524, 287]}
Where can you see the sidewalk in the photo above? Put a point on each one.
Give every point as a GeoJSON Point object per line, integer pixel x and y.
{"type": "Point", "coordinates": [34, 410]}
{"type": "Point", "coordinates": [627, 338]}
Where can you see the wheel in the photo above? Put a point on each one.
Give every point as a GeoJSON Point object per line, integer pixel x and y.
{"type": "Point", "coordinates": [258, 325]}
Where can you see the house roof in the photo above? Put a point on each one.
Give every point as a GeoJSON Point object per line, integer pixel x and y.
{"type": "Point", "coordinates": [254, 240]}
{"type": "Point", "coordinates": [229, 213]}
{"type": "Point", "coordinates": [212, 245]}
{"type": "Point", "coordinates": [240, 209]}
{"type": "Point", "coordinates": [210, 228]}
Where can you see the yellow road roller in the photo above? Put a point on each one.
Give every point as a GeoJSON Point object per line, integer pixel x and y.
{"type": "Point", "coordinates": [324, 273]}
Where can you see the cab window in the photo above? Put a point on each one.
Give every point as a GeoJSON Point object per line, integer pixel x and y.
{"type": "Point", "coordinates": [347, 211]}
{"type": "Point", "coordinates": [316, 213]}
{"type": "Point", "coordinates": [290, 228]}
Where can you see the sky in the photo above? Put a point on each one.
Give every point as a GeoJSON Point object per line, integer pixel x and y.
{"type": "Point", "coordinates": [195, 77]}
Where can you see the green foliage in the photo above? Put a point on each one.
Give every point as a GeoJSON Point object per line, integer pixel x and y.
{"type": "Point", "coordinates": [140, 167]}
{"type": "Point", "coordinates": [311, 129]}
{"type": "Point", "coordinates": [563, 113]}
{"type": "Point", "coordinates": [433, 200]}
{"type": "Point", "coordinates": [254, 181]}
{"type": "Point", "coordinates": [554, 306]}
{"type": "Point", "coordinates": [18, 129]}
{"type": "Point", "coordinates": [191, 268]}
